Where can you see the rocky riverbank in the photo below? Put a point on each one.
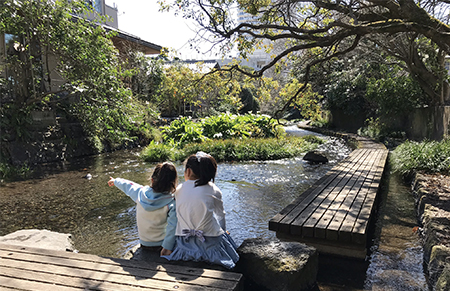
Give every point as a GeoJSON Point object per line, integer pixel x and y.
{"type": "Point", "coordinates": [432, 194]}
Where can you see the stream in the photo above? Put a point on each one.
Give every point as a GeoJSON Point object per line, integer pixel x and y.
{"type": "Point", "coordinates": [102, 219]}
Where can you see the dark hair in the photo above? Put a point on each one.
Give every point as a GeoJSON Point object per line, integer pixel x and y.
{"type": "Point", "coordinates": [165, 178]}
{"type": "Point", "coordinates": [203, 166]}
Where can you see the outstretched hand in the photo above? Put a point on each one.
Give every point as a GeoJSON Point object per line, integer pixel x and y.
{"type": "Point", "coordinates": [111, 182]}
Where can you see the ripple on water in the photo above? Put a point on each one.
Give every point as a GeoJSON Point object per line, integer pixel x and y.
{"type": "Point", "coordinates": [102, 219]}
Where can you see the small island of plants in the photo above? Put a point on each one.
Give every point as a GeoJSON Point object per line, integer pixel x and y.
{"type": "Point", "coordinates": [228, 137]}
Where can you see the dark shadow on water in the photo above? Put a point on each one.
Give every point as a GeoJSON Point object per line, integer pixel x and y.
{"type": "Point", "coordinates": [336, 273]}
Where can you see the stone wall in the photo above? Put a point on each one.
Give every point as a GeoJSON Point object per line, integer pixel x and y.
{"type": "Point", "coordinates": [432, 211]}
{"type": "Point", "coordinates": [49, 138]}
{"type": "Point", "coordinates": [432, 123]}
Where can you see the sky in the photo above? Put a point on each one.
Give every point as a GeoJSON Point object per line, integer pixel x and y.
{"type": "Point", "coordinates": [142, 18]}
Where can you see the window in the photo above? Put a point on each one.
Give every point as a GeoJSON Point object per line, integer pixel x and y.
{"type": "Point", "coordinates": [97, 4]}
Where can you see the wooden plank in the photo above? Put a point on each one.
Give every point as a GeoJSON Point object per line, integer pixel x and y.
{"type": "Point", "coordinates": [309, 210]}
{"type": "Point", "coordinates": [72, 282]}
{"type": "Point", "coordinates": [343, 210]}
{"type": "Point", "coordinates": [346, 230]}
{"type": "Point", "coordinates": [349, 189]}
{"type": "Point", "coordinates": [335, 214]}
{"type": "Point", "coordinates": [336, 174]}
{"type": "Point", "coordinates": [281, 221]}
{"type": "Point", "coordinates": [81, 257]}
{"type": "Point", "coordinates": [110, 274]}
{"type": "Point", "coordinates": [362, 223]}
{"type": "Point", "coordinates": [82, 269]}
{"type": "Point", "coordinates": [275, 222]}
{"type": "Point", "coordinates": [309, 226]}
{"type": "Point", "coordinates": [12, 283]}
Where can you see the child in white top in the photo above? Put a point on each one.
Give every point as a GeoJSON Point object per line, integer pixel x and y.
{"type": "Point", "coordinates": [201, 232]}
{"type": "Point", "coordinates": [155, 207]}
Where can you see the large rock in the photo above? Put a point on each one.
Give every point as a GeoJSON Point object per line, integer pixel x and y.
{"type": "Point", "coordinates": [36, 238]}
{"type": "Point", "coordinates": [315, 157]}
{"type": "Point", "coordinates": [276, 265]}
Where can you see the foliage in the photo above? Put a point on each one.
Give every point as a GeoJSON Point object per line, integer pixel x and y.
{"type": "Point", "coordinates": [253, 149]}
{"type": "Point", "coordinates": [147, 76]}
{"type": "Point", "coordinates": [10, 172]}
{"type": "Point", "coordinates": [224, 126]}
{"type": "Point", "coordinates": [183, 89]}
{"type": "Point", "coordinates": [307, 102]}
{"type": "Point", "coordinates": [374, 129]}
{"type": "Point", "coordinates": [235, 149]}
{"type": "Point", "coordinates": [313, 139]}
{"type": "Point", "coordinates": [425, 156]}
{"type": "Point", "coordinates": [49, 38]}
{"type": "Point", "coordinates": [155, 152]}
{"type": "Point", "coordinates": [321, 123]}
{"type": "Point", "coordinates": [182, 131]}
{"type": "Point", "coordinates": [320, 31]}
{"type": "Point", "coordinates": [249, 103]}
{"type": "Point", "coordinates": [369, 88]}
{"type": "Point", "coordinates": [408, 93]}
{"type": "Point", "coordinates": [14, 122]}
{"type": "Point", "coordinates": [234, 126]}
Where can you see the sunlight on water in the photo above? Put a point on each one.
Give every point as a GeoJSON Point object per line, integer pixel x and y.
{"type": "Point", "coordinates": [102, 219]}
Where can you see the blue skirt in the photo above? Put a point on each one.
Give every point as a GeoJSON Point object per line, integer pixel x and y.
{"type": "Point", "coordinates": [219, 250]}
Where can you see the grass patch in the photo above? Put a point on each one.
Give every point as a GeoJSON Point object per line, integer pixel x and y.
{"type": "Point", "coordinates": [11, 173]}
{"type": "Point", "coordinates": [235, 149]}
{"type": "Point", "coordinates": [426, 156]}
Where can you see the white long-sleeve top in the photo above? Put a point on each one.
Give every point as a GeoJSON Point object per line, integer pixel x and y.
{"type": "Point", "coordinates": [200, 208]}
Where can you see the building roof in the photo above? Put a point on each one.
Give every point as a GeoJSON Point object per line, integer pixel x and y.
{"type": "Point", "coordinates": [124, 39]}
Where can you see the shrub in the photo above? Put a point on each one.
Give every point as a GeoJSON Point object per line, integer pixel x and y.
{"type": "Point", "coordinates": [158, 152]}
{"type": "Point", "coordinates": [426, 156]}
{"type": "Point", "coordinates": [223, 126]}
{"type": "Point", "coordinates": [183, 131]}
{"type": "Point", "coordinates": [236, 149]}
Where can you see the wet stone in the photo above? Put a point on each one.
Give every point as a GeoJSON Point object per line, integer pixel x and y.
{"type": "Point", "coordinates": [315, 157]}
{"type": "Point", "coordinates": [277, 265]}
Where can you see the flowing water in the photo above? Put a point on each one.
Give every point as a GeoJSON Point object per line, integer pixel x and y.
{"type": "Point", "coordinates": [102, 219]}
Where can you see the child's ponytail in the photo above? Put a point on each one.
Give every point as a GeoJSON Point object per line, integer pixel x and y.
{"type": "Point", "coordinates": [203, 166]}
{"type": "Point", "coordinates": [164, 178]}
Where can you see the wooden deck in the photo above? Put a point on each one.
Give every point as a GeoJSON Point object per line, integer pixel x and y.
{"type": "Point", "coordinates": [333, 215]}
{"type": "Point", "coordinates": [27, 268]}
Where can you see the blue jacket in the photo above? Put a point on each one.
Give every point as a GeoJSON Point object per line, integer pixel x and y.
{"type": "Point", "coordinates": [155, 214]}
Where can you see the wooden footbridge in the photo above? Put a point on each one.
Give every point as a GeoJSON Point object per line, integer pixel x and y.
{"type": "Point", "coordinates": [334, 214]}
{"type": "Point", "coordinates": [25, 268]}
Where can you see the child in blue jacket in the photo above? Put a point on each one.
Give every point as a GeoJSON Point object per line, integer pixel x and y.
{"type": "Point", "coordinates": [155, 207]}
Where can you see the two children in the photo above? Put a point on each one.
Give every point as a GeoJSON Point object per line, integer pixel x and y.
{"type": "Point", "coordinates": [200, 232]}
